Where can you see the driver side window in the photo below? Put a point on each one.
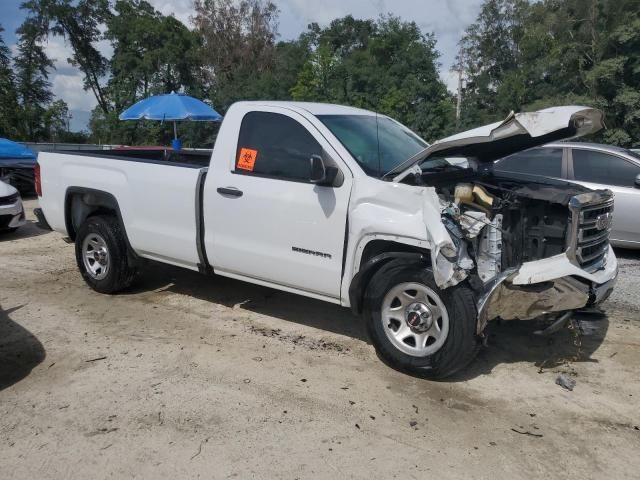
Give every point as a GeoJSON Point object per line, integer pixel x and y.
{"type": "Point", "coordinates": [276, 146]}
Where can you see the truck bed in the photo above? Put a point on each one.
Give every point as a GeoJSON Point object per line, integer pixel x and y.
{"type": "Point", "coordinates": [155, 190]}
{"type": "Point", "coordinates": [182, 158]}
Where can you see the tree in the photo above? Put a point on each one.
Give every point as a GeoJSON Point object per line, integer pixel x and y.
{"type": "Point", "coordinates": [388, 66]}
{"type": "Point", "coordinates": [55, 121]}
{"type": "Point", "coordinates": [79, 22]}
{"type": "Point", "coordinates": [524, 56]}
{"type": "Point", "coordinates": [32, 79]}
{"type": "Point", "coordinates": [238, 46]}
{"type": "Point", "coordinates": [8, 95]}
{"type": "Point", "coordinates": [152, 54]}
{"type": "Point", "coordinates": [491, 59]}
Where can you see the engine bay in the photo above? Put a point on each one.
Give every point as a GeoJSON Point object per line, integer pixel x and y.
{"type": "Point", "coordinates": [498, 222]}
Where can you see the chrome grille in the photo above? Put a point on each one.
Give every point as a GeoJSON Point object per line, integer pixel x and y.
{"type": "Point", "coordinates": [591, 215]}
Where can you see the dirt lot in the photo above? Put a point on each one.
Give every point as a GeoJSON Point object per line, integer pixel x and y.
{"type": "Point", "coordinates": [187, 376]}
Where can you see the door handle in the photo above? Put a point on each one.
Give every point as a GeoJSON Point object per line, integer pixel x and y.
{"type": "Point", "coordinates": [232, 191]}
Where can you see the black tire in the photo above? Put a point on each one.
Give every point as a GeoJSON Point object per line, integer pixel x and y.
{"type": "Point", "coordinates": [120, 273]}
{"type": "Point", "coordinates": [461, 344]}
{"type": "Point", "coordinates": [9, 230]}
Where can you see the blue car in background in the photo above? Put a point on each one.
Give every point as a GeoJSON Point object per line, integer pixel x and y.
{"type": "Point", "coordinates": [16, 165]}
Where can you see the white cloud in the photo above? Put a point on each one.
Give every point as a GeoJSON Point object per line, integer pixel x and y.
{"type": "Point", "coordinates": [181, 9]}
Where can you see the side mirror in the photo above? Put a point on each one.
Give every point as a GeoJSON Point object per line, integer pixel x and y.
{"type": "Point", "coordinates": [636, 182]}
{"type": "Point", "coordinates": [325, 176]}
{"type": "Point", "coordinates": [318, 173]}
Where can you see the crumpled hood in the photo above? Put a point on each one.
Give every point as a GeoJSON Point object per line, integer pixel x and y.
{"type": "Point", "coordinates": [517, 132]}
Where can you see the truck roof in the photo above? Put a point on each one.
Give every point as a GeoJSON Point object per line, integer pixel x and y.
{"type": "Point", "coordinates": [311, 107]}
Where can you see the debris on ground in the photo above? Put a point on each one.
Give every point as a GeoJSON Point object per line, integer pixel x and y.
{"type": "Point", "coordinates": [100, 431]}
{"type": "Point", "coordinates": [566, 382]}
{"type": "Point", "coordinates": [299, 340]}
{"type": "Point", "coordinates": [526, 432]}
{"type": "Point", "coordinates": [95, 359]}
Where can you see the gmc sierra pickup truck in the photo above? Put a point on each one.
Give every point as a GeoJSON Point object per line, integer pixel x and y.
{"type": "Point", "coordinates": [351, 207]}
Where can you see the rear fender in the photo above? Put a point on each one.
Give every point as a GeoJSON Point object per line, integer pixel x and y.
{"type": "Point", "coordinates": [81, 203]}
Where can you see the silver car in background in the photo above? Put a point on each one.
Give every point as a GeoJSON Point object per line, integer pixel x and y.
{"type": "Point", "coordinates": [11, 209]}
{"type": "Point", "coordinates": [594, 166]}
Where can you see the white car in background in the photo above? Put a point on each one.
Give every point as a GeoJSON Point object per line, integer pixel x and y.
{"type": "Point", "coordinates": [594, 166]}
{"type": "Point", "coordinates": [11, 209]}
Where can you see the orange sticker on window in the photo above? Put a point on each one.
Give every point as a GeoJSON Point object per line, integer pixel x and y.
{"type": "Point", "coordinates": [247, 159]}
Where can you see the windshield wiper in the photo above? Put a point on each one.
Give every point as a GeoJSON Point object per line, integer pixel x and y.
{"type": "Point", "coordinates": [401, 166]}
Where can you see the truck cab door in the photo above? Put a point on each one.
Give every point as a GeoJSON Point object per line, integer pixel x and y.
{"type": "Point", "coordinates": [265, 221]}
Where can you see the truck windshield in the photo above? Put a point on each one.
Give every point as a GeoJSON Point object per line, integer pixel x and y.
{"type": "Point", "coordinates": [378, 144]}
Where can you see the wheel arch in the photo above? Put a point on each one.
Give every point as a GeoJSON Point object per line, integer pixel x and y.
{"type": "Point", "coordinates": [82, 203]}
{"type": "Point", "coordinates": [378, 254]}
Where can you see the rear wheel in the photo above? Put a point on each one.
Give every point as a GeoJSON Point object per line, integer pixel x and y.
{"type": "Point", "coordinates": [101, 255]}
{"type": "Point", "coordinates": [417, 327]}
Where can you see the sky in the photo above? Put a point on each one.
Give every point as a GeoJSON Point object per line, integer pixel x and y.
{"type": "Point", "coordinates": [446, 18]}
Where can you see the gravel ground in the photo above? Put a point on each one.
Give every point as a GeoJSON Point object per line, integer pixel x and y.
{"type": "Point", "coordinates": [187, 377]}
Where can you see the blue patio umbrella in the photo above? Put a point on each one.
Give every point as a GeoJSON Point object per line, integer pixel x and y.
{"type": "Point", "coordinates": [171, 107]}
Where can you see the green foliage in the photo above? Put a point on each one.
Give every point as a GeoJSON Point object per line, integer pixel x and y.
{"type": "Point", "coordinates": [55, 118]}
{"type": "Point", "coordinates": [521, 56]}
{"type": "Point", "coordinates": [238, 49]}
{"type": "Point", "coordinates": [8, 94]}
{"type": "Point", "coordinates": [152, 54]}
{"type": "Point", "coordinates": [517, 55]}
{"type": "Point", "coordinates": [78, 21]}
{"type": "Point", "coordinates": [385, 65]}
{"type": "Point", "coordinates": [27, 109]}
{"type": "Point", "coordinates": [388, 66]}
{"type": "Point", "coordinates": [32, 80]}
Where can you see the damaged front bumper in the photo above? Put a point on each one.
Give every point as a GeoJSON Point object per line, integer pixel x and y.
{"type": "Point", "coordinates": [545, 286]}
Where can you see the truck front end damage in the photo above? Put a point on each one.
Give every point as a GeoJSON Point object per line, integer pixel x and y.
{"type": "Point", "coordinates": [527, 245]}
{"type": "Point", "coordinates": [527, 249]}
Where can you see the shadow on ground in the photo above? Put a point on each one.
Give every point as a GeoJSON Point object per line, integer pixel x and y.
{"type": "Point", "coordinates": [514, 341]}
{"type": "Point", "coordinates": [20, 350]}
{"type": "Point", "coordinates": [508, 342]}
{"type": "Point", "coordinates": [254, 298]}
{"type": "Point", "coordinates": [29, 229]}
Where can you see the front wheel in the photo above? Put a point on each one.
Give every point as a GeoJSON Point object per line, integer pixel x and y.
{"type": "Point", "coordinates": [417, 327]}
{"type": "Point", "coordinates": [101, 255]}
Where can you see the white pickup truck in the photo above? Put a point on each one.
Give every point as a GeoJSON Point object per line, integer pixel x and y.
{"type": "Point", "coordinates": [347, 206]}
